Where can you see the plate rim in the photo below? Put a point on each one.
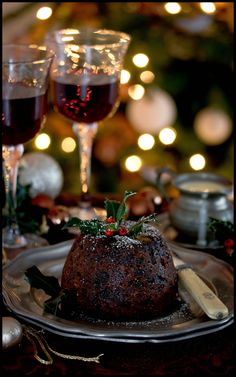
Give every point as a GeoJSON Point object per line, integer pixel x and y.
{"type": "Point", "coordinates": [158, 336]}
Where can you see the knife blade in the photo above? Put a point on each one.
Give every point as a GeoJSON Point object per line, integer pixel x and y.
{"type": "Point", "coordinates": [212, 306]}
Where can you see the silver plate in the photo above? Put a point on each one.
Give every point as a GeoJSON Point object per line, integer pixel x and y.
{"type": "Point", "coordinates": [185, 322]}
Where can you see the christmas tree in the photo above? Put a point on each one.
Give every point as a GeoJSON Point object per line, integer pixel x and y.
{"type": "Point", "coordinates": [176, 87]}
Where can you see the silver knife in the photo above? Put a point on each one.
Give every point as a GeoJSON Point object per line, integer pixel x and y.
{"type": "Point", "coordinates": [203, 295]}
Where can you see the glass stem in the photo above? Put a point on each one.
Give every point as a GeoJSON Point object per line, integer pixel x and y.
{"type": "Point", "coordinates": [85, 134]}
{"type": "Point", "coordinates": [11, 156]}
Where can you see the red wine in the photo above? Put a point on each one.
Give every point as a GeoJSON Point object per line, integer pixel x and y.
{"type": "Point", "coordinates": [23, 116]}
{"type": "Point", "coordinates": [86, 102]}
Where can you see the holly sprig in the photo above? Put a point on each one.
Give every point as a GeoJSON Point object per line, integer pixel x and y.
{"type": "Point", "coordinates": [223, 232]}
{"type": "Point", "coordinates": [50, 285]}
{"type": "Point", "coordinates": [114, 224]}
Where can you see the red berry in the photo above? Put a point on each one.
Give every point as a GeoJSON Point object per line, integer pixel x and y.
{"type": "Point", "coordinates": [110, 220]}
{"type": "Point", "coordinates": [109, 232]}
{"type": "Point", "coordinates": [122, 231]}
{"type": "Point", "coordinates": [229, 243]}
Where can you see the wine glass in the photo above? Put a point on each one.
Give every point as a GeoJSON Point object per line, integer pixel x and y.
{"type": "Point", "coordinates": [25, 78]}
{"type": "Point", "coordinates": [85, 77]}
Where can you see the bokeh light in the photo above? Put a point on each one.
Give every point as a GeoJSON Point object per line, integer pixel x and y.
{"type": "Point", "coordinates": [173, 8]}
{"type": "Point", "coordinates": [133, 163]}
{"type": "Point", "coordinates": [125, 76]}
{"type": "Point", "coordinates": [197, 161]}
{"type": "Point", "coordinates": [42, 141]}
{"type": "Point", "coordinates": [140, 60]}
{"type": "Point", "coordinates": [136, 91]}
{"type": "Point", "coordinates": [208, 7]}
{"type": "Point", "coordinates": [167, 135]}
{"type": "Point", "coordinates": [147, 76]}
{"type": "Point", "coordinates": [44, 13]}
{"type": "Point", "coordinates": [146, 142]}
{"type": "Point", "coordinates": [68, 145]}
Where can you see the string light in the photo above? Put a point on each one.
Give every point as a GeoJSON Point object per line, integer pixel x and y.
{"type": "Point", "coordinates": [124, 77]}
{"type": "Point", "coordinates": [167, 135]}
{"type": "Point", "coordinates": [140, 60]}
{"type": "Point", "coordinates": [68, 145]}
{"type": "Point", "coordinates": [136, 91]}
{"type": "Point", "coordinates": [146, 142]}
{"type": "Point", "coordinates": [208, 7]}
{"type": "Point", "coordinates": [197, 162]}
{"type": "Point", "coordinates": [133, 163]}
{"type": "Point", "coordinates": [173, 8]}
{"type": "Point", "coordinates": [147, 76]}
{"type": "Point", "coordinates": [42, 141]}
{"type": "Point", "coordinates": [44, 13]}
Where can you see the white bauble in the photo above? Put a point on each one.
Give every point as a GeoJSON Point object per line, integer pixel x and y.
{"type": "Point", "coordinates": [11, 332]}
{"type": "Point", "coordinates": [156, 110]}
{"type": "Point", "coordinates": [42, 172]}
{"type": "Point", "coordinates": [213, 126]}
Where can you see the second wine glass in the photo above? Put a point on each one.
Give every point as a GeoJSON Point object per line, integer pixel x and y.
{"type": "Point", "coordinates": [25, 78]}
{"type": "Point", "coordinates": [85, 79]}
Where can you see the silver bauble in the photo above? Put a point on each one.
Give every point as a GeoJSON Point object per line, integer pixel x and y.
{"type": "Point", "coordinates": [42, 172]}
{"type": "Point", "coordinates": [11, 332]}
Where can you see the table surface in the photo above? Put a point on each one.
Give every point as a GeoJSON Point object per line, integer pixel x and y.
{"type": "Point", "coordinates": [207, 355]}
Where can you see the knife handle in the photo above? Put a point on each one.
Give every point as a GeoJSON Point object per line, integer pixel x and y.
{"type": "Point", "coordinates": [202, 294]}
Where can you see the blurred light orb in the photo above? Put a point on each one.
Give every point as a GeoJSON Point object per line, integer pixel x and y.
{"type": "Point", "coordinates": [195, 24]}
{"type": "Point", "coordinates": [146, 142]}
{"type": "Point", "coordinates": [136, 92]}
{"type": "Point", "coordinates": [147, 77]}
{"type": "Point", "coordinates": [44, 13]}
{"type": "Point", "coordinates": [156, 110]}
{"type": "Point", "coordinates": [125, 76]}
{"type": "Point", "coordinates": [173, 8]}
{"type": "Point", "coordinates": [197, 161]}
{"type": "Point", "coordinates": [208, 7]}
{"type": "Point", "coordinates": [167, 135]}
{"type": "Point", "coordinates": [68, 145]}
{"type": "Point", "coordinates": [213, 126]}
{"type": "Point", "coordinates": [140, 60]}
{"type": "Point", "coordinates": [42, 141]}
{"type": "Point", "coordinates": [133, 163]}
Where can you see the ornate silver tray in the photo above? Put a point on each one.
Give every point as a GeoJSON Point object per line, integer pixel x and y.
{"type": "Point", "coordinates": [186, 321]}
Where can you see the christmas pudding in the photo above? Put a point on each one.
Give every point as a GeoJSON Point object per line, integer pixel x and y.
{"type": "Point", "coordinates": [118, 269]}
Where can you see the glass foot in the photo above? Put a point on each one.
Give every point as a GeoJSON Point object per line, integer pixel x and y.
{"type": "Point", "coordinates": [13, 240]}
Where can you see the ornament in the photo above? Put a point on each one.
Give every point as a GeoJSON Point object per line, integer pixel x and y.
{"type": "Point", "coordinates": [11, 332]}
{"type": "Point", "coordinates": [196, 24]}
{"type": "Point", "coordinates": [213, 126]}
{"type": "Point", "coordinates": [42, 172]}
{"type": "Point", "coordinates": [156, 110]}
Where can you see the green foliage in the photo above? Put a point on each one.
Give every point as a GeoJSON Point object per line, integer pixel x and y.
{"type": "Point", "coordinates": [221, 230]}
{"type": "Point", "coordinates": [116, 215]}
{"type": "Point", "coordinates": [51, 286]}
{"type": "Point", "coordinates": [27, 223]}
{"type": "Point", "coordinates": [37, 280]}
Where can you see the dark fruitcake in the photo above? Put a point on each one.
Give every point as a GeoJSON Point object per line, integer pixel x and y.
{"type": "Point", "coordinates": [119, 277]}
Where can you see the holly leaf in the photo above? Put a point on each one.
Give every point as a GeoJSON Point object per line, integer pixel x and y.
{"type": "Point", "coordinates": [122, 210]}
{"type": "Point", "coordinates": [52, 305]}
{"type": "Point", "coordinates": [37, 280]}
{"type": "Point", "coordinates": [111, 207]}
{"type": "Point", "coordinates": [221, 229]}
{"type": "Point", "coordinates": [93, 227]}
{"type": "Point", "coordinates": [137, 228]}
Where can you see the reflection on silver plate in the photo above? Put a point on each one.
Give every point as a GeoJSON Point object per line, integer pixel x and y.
{"type": "Point", "coordinates": [185, 322]}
